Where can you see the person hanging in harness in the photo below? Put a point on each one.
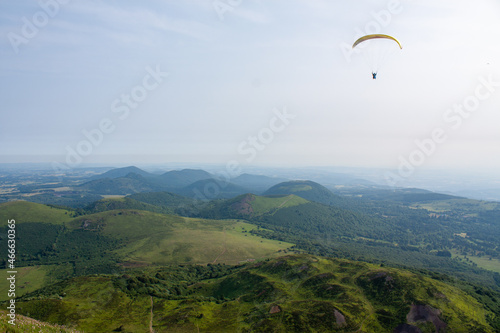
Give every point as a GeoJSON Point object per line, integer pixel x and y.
{"type": "Point", "coordinates": [379, 50]}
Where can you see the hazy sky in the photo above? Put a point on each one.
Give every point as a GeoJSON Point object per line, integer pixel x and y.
{"type": "Point", "coordinates": [249, 81]}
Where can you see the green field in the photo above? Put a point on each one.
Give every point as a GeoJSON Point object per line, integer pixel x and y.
{"type": "Point", "coordinates": [24, 211]}
{"type": "Point", "coordinates": [140, 237]}
{"type": "Point", "coordinates": [113, 196]}
{"type": "Point", "coordinates": [197, 241]}
{"type": "Point", "coordinates": [31, 278]}
{"type": "Point", "coordinates": [28, 279]}
{"type": "Point", "coordinates": [483, 262]}
{"type": "Point", "coordinates": [262, 205]}
{"type": "Point", "coordinates": [442, 206]}
{"type": "Point", "coordinates": [150, 238]}
{"type": "Point", "coordinates": [292, 187]}
{"type": "Point", "coordinates": [486, 263]}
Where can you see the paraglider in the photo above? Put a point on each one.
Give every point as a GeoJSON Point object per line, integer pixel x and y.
{"type": "Point", "coordinates": [377, 49]}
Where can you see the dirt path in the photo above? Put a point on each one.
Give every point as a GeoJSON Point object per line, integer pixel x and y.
{"type": "Point", "coordinates": [151, 320]}
{"type": "Point", "coordinates": [274, 210]}
{"type": "Point", "coordinates": [224, 250]}
{"type": "Point", "coordinates": [284, 202]}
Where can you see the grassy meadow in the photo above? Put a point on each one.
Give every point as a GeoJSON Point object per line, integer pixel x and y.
{"type": "Point", "coordinates": [24, 211]}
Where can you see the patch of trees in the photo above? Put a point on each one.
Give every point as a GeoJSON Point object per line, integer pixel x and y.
{"type": "Point", "coordinates": [87, 251]}
{"type": "Point", "coordinates": [172, 282]}
{"type": "Point", "coordinates": [124, 203]}
{"type": "Point", "coordinates": [72, 199]}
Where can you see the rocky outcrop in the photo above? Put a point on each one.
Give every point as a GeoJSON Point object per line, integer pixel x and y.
{"type": "Point", "coordinates": [426, 313]}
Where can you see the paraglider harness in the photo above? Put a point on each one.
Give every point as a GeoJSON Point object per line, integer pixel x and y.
{"type": "Point", "coordinates": [374, 75]}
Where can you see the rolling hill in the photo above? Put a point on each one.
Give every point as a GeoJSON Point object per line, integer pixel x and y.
{"type": "Point", "coordinates": [99, 242]}
{"type": "Point", "coordinates": [61, 246]}
{"type": "Point", "coordinates": [254, 205]}
{"type": "Point", "coordinates": [181, 182]}
{"type": "Point", "coordinates": [403, 195]}
{"type": "Point", "coordinates": [122, 172]}
{"type": "Point", "coordinates": [162, 199]}
{"type": "Point", "coordinates": [125, 203]}
{"type": "Point", "coordinates": [306, 189]}
{"type": "Point", "coordinates": [295, 213]}
{"type": "Point", "coordinates": [256, 184]}
{"type": "Point", "coordinates": [182, 178]}
{"type": "Point", "coordinates": [388, 232]}
{"type": "Point", "coordinates": [150, 238]}
{"type": "Point", "coordinates": [295, 293]}
{"type": "Point", "coordinates": [210, 189]}
{"type": "Point", "coordinates": [129, 184]}
{"type": "Point", "coordinates": [248, 206]}
{"type": "Point", "coordinates": [25, 211]}
{"type": "Point", "coordinates": [128, 242]}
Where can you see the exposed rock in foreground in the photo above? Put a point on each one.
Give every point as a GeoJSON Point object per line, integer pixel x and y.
{"type": "Point", "coordinates": [426, 313]}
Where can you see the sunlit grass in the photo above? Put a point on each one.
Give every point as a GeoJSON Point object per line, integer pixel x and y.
{"type": "Point", "coordinates": [24, 211]}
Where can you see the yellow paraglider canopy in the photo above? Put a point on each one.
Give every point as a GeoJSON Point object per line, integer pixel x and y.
{"type": "Point", "coordinates": [368, 37]}
{"type": "Point", "coordinates": [377, 50]}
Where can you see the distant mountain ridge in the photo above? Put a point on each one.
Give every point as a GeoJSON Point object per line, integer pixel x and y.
{"type": "Point", "coordinates": [209, 189]}
{"type": "Point", "coordinates": [192, 183]}
{"type": "Point", "coordinates": [122, 172]}
{"type": "Point", "coordinates": [257, 184]}
{"type": "Point", "coordinates": [404, 195]}
{"type": "Point", "coordinates": [182, 178]}
{"type": "Point", "coordinates": [161, 199]}
{"type": "Point", "coordinates": [131, 180]}
{"type": "Point", "coordinates": [123, 185]}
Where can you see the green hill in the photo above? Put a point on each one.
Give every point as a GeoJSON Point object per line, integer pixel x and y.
{"type": "Point", "coordinates": [147, 238]}
{"type": "Point", "coordinates": [101, 242]}
{"type": "Point", "coordinates": [296, 214]}
{"type": "Point", "coordinates": [317, 220]}
{"type": "Point", "coordinates": [31, 278]}
{"type": "Point", "coordinates": [73, 199]}
{"type": "Point", "coordinates": [306, 189]}
{"type": "Point", "coordinates": [210, 189]}
{"type": "Point", "coordinates": [24, 211]}
{"type": "Point", "coordinates": [383, 233]}
{"type": "Point", "coordinates": [249, 206]}
{"type": "Point", "coordinates": [124, 203]}
{"type": "Point", "coordinates": [256, 183]}
{"type": "Point", "coordinates": [132, 183]}
{"type": "Point", "coordinates": [122, 172]}
{"type": "Point", "coordinates": [157, 202]}
{"type": "Point", "coordinates": [268, 205]}
{"type": "Point", "coordinates": [162, 199]}
{"type": "Point", "coordinates": [403, 195]}
{"type": "Point", "coordinates": [110, 241]}
{"type": "Point", "coordinates": [182, 178]}
{"type": "Point", "coordinates": [287, 294]}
